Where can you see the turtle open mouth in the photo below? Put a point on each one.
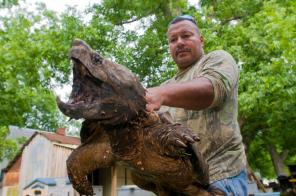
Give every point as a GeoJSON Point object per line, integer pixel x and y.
{"type": "Point", "coordinates": [83, 83]}
{"type": "Point", "coordinates": [87, 94]}
{"type": "Point", "coordinates": [101, 89]}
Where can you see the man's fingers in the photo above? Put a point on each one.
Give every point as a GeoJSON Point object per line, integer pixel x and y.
{"type": "Point", "coordinates": [149, 108]}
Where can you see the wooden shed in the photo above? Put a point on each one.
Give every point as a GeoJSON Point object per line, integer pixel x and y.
{"type": "Point", "coordinates": [43, 155]}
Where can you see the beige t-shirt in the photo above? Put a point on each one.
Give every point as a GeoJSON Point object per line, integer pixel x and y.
{"type": "Point", "coordinates": [217, 126]}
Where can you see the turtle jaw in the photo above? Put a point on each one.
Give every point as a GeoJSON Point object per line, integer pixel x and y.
{"type": "Point", "coordinates": [80, 110]}
{"type": "Point", "coordinates": [101, 112]}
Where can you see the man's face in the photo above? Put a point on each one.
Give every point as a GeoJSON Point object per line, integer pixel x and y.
{"type": "Point", "coordinates": [185, 43]}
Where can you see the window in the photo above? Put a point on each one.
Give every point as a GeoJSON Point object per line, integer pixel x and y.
{"type": "Point", "coordinates": [37, 192]}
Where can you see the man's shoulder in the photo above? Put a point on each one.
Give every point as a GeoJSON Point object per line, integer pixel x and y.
{"type": "Point", "coordinates": [219, 54]}
{"type": "Point", "coordinates": [219, 57]}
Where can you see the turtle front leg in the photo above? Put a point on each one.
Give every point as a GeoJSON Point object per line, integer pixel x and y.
{"type": "Point", "coordinates": [85, 159]}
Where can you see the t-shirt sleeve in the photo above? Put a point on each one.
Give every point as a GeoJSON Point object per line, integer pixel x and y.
{"type": "Point", "coordinates": [221, 69]}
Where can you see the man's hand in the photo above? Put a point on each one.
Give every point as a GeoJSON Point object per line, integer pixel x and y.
{"type": "Point", "coordinates": [154, 98]}
{"type": "Point", "coordinates": [195, 94]}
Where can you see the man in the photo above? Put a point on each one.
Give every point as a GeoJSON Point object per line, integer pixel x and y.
{"type": "Point", "coordinates": [203, 96]}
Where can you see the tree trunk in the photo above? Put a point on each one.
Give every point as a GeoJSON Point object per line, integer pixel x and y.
{"type": "Point", "coordinates": [278, 160]}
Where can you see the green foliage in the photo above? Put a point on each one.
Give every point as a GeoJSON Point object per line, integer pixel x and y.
{"type": "Point", "coordinates": [228, 10]}
{"type": "Point", "coordinates": [8, 147]}
{"type": "Point", "coordinates": [268, 89]}
{"type": "Point", "coordinates": [25, 73]}
{"type": "Point", "coordinates": [8, 3]}
{"type": "Point", "coordinates": [260, 160]}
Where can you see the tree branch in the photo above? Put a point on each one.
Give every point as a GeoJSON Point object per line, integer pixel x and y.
{"type": "Point", "coordinates": [130, 21]}
{"type": "Point", "coordinates": [136, 19]}
{"type": "Point", "coordinates": [284, 154]}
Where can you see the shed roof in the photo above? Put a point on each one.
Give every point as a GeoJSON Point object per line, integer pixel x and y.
{"type": "Point", "coordinates": [62, 139]}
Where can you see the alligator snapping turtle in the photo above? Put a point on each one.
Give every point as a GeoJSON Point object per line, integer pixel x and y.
{"type": "Point", "coordinates": [117, 129]}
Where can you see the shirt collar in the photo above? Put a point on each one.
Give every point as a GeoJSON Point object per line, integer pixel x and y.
{"type": "Point", "coordinates": [181, 73]}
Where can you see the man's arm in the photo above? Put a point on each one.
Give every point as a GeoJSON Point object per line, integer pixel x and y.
{"type": "Point", "coordinates": [196, 94]}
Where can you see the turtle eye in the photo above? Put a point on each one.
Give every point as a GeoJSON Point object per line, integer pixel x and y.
{"type": "Point", "coordinates": [98, 59]}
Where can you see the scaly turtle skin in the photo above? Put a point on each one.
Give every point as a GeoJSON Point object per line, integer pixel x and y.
{"type": "Point", "coordinates": [162, 156]}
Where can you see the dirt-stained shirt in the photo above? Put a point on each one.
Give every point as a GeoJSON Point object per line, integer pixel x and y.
{"type": "Point", "coordinates": [217, 126]}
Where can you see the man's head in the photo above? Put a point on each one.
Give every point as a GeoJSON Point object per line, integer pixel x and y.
{"type": "Point", "coordinates": [185, 41]}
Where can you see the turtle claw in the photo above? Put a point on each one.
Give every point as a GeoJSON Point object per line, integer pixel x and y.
{"type": "Point", "coordinates": [189, 139]}
{"type": "Point", "coordinates": [180, 143]}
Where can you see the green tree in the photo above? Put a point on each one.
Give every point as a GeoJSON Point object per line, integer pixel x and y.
{"type": "Point", "coordinates": [9, 147]}
{"type": "Point", "coordinates": [26, 101]}
{"type": "Point", "coordinates": [8, 3]}
{"type": "Point", "coordinates": [267, 98]}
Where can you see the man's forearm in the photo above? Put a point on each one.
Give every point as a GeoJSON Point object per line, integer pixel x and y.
{"type": "Point", "coordinates": [196, 94]}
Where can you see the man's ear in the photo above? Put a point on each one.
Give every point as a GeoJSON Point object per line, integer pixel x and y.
{"type": "Point", "coordinates": [201, 41]}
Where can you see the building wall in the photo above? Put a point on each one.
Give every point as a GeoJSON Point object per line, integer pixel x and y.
{"type": "Point", "coordinates": [123, 176]}
{"type": "Point", "coordinates": [42, 159]}
{"type": "Point", "coordinates": [10, 191]}
{"type": "Point", "coordinates": [57, 166]}
{"type": "Point", "coordinates": [35, 159]}
{"type": "Point", "coordinates": [11, 177]}
{"type": "Point", "coordinates": [11, 180]}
